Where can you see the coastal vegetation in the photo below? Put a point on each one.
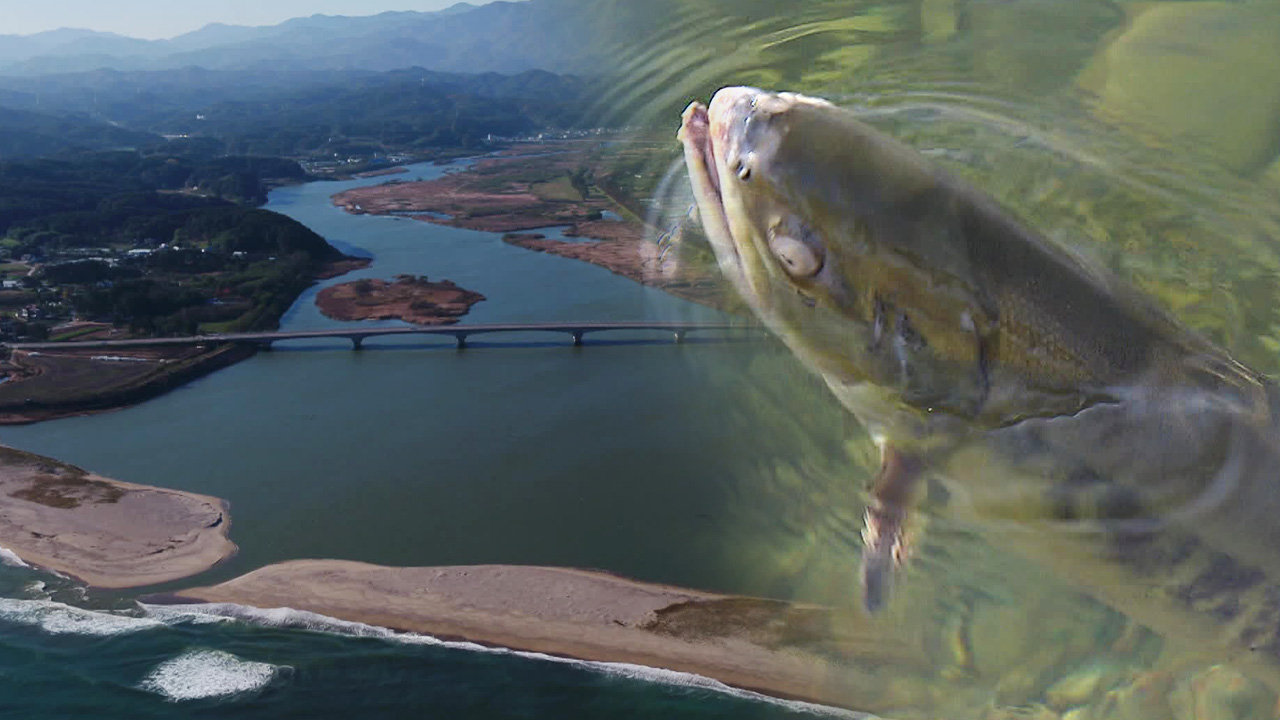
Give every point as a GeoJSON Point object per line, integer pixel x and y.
{"type": "Point", "coordinates": [410, 298]}
{"type": "Point", "coordinates": [156, 244]}
{"type": "Point", "coordinates": [129, 244]}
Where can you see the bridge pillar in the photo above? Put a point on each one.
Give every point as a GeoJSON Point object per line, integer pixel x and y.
{"type": "Point", "coordinates": [357, 343]}
{"type": "Point", "coordinates": [462, 340]}
{"type": "Point", "coordinates": [577, 338]}
{"type": "Point", "coordinates": [680, 336]}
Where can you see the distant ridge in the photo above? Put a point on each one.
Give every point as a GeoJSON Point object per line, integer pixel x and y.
{"type": "Point", "coordinates": [500, 36]}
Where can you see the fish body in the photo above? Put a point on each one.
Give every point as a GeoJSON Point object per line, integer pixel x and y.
{"type": "Point", "coordinates": [976, 350]}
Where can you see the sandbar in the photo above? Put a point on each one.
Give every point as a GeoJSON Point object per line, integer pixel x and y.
{"type": "Point", "coordinates": [518, 194]}
{"type": "Point", "coordinates": [631, 256]}
{"type": "Point", "coordinates": [412, 299]}
{"type": "Point", "coordinates": [107, 533]}
{"type": "Point", "coordinates": [810, 653]}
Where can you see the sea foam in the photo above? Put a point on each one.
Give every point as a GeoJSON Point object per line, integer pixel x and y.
{"type": "Point", "coordinates": [269, 617]}
{"type": "Point", "coordinates": [199, 674]}
{"type": "Point", "coordinates": [10, 558]}
{"type": "Point", "coordinates": [303, 620]}
{"type": "Point", "coordinates": [60, 619]}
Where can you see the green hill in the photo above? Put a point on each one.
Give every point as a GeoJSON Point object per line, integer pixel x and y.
{"type": "Point", "coordinates": [26, 134]}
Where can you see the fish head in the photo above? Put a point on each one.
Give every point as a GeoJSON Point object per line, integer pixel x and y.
{"type": "Point", "coordinates": [804, 207]}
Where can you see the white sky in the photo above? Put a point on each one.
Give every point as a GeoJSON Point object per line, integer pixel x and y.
{"type": "Point", "coordinates": [153, 19]}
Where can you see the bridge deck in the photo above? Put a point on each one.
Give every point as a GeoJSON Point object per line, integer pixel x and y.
{"type": "Point", "coordinates": [357, 335]}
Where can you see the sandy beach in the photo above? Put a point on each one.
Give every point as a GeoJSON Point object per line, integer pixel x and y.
{"type": "Point", "coordinates": [107, 533]}
{"type": "Point", "coordinates": [810, 653]}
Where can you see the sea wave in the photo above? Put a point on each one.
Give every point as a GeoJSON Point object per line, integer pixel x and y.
{"type": "Point", "coordinates": [269, 617]}
{"type": "Point", "coordinates": [61, 619]}
{"type": "Point", "coordinates": [36, 589]}
{"type": "Point", "coordinates": [303, 620]}
{"type": "Point", "coordinates": [10, 558]}
{"type": "Point", "coordinates": [200, 674]}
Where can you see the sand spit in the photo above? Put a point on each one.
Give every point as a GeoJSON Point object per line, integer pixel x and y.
{"type": "Point", "coordinates": [799, 652]}
{"type": "Point", "coordinates": [108, 533]}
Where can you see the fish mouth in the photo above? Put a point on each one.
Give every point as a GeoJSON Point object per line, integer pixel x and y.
{"type": "Point", "coordinates": [700, 158]}
{"type": "Point", "coordinates": [704, 135]}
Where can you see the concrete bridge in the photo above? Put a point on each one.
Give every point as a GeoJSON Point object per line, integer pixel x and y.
{"type": "Point", "coordinates": [459, 333]}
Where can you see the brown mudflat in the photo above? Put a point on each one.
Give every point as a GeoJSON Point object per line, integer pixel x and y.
{"type": "Point", "coordinates": [412, 299]}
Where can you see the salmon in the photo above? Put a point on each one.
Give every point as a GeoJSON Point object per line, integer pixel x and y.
{"type": "Point", "coordinates": [1069, 415]}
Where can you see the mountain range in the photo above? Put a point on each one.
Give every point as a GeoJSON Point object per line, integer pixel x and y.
{"type": "Point", "coordinates": [504, 37]}
{"type": "Point", "coordinates": [598, 62]}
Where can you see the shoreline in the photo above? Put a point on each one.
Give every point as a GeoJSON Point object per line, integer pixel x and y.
{"type": "Point", "coordinates": [634, 259]}
{"type": "Point", "coordinates": [519, 195]}
{"type": "Point", "coordinates": [131, 391]}
{"type": "Point", "coordinates": [194, 368]}
{"type": "Point", "coordinates": [103, 532]}
{"type": "Point", "coordinates": [807, 653]}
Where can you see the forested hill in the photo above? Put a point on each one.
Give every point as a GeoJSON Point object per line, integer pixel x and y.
{"type": "Point", "coordinates": [39, 191]}
{"type": "Point", "coordinates": [306, 113]}
{"type": "Point", "coordinates": [29, 134]}
{"type": "Point", "coordinates": [404, 110]}
{"type": "Point", "coordinates": [145, 241]}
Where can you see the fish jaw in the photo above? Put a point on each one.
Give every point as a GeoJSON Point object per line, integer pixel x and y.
{"type": "Point", "coordinates": [719, 147]}
{"type": "Point", "coordinates": [699, 156]}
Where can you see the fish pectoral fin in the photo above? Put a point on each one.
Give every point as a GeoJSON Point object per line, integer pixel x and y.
{"type": "Point", "coordinates": [884, 534]}
{"type": "Point", "coordinates": [882, 553]}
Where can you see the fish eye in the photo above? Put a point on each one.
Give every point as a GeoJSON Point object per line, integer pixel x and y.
{"type": "Point", "coordinates": [798, 258]}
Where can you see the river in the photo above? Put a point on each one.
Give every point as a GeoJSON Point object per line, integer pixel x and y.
{"type": "Point", "coordinates": [518, 449]}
